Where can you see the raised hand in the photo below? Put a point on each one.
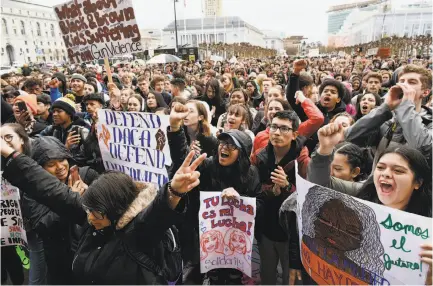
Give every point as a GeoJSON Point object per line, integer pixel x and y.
{"type": "Point", "coordinates": [299, 65]}
{"type": "Point", "coordinates": [178, 113]}
{"type": "Point", "coordinates": [186, 177]}
{"type": "Point", "coordinates": [329, 136]}
{"type": "Point", "coordinates": [54, 83]}
{"type": "Point", "coordinates": [72, 140]}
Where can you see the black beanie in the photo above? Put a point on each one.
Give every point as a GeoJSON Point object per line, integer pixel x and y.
{"type": "Point", "coordinates": [65, 104]}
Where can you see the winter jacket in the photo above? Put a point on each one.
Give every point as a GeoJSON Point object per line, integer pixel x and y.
{"type": "Point", "coordinates": [213, 178]}
{"type": "Point", "coordinates": [266, 164]}
{"type": "Point", "coordinates": [116, 254]}
{"type": "Point", "coordinates": [37, 128]}
{"type": "Point", "coordinates": [90, 154]}
{"type": "Point", "coordinates": [219, 108]}
{"type": "Point", "coordinates": [410, 127]}
{"type": "Point", "coordinates": [6, 111]}
{"type": "Point", "coordinates": [62, 134]}
{"type": "Point", "coordinates": [306, 128]}
{"type": "Point", "coordinates": [208, 144]}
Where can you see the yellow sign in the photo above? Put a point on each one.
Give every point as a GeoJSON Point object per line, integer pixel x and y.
{"type": "Point", "coordinates": [192, 58]}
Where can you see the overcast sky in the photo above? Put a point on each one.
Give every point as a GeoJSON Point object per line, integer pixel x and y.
{"type": "Point", "coordinates": [293, 17]}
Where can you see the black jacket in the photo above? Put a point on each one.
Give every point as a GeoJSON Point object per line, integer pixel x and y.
{"type": "Point", "coordinates": [266, 165]}
{"type": "Point", "coordinates": [212, 179]}
{"type": "Point", "coordinates": [104, 257]}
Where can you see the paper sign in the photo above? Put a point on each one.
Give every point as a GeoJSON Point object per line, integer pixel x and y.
{"type": "Point", "coordinates": [135, 143]}
{"type": "Point", "coordinates": [97, 29]}
{"type": "Point", "coordinates": [12, 228]}
{"type": "Point", "coordinates": [345, 240]}
{"type": "Point", "coordinates": [226, 232]}
{"type": "Point", "coordinates": [313, 53]}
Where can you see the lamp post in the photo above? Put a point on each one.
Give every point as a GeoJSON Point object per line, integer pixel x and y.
{"type": "Point", "coordinates": [175, 24]}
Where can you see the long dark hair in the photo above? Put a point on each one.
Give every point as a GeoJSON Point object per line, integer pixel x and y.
{"type": "Point", "coordinates": [217, 89]}
{"type": "Point", "coordinates": [256, 92]}
{"type": "Point", "coordinates": [19, 130]}
{"type": "Point", "coordinates": [358, 104]}
{"type": "Point", "coordinates": [111, 193]}
{"type": "Point", "coordinates": [356, 157]}
{"type": "Point", "coordinates": [239, 174]}
{"type": "Point", "coordinates": [420, 201]}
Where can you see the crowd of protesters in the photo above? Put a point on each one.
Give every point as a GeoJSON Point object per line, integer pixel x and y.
{"type": "Point", "coordinates": [359, 125]}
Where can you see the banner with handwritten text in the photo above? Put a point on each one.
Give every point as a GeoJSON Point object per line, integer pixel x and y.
{"type": "Point", "coordinates": [226, 232]}
{"type": "Point", "coordinates": [12, 228]}
{"type": "Point", "coordinates": [135, 143]}
{"type": "Point", "coordinates": [345, 240]}
{"type": "Point", "coordinates": [95, 29]}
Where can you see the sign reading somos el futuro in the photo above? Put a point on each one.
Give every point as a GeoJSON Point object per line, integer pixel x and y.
{"type": "Point", "coordinates": [97, 29]}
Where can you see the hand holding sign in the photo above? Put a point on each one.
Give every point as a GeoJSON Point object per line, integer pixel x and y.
{"type": "Point", "coordinates": [426, 256]}
{"type": "Point", "coordinates": [114, 94]}
{"type": "Point", "coordinates": [230, 193]}
{"type": "Point", "coordinates": [329, 136]}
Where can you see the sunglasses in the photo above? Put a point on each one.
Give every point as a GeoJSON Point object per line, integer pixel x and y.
{"type": "Point", "coordinates": [97, 214]}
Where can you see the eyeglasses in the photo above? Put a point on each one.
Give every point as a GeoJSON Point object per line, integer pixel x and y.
{"type": "Point", "coordinates": [283, 129]}
{"type": "Point", "coordinates": [8, 138]}
{"type": "Point", "coordinates": [98, 215]}
{"type": "Point", "coordinates": [229, 146]}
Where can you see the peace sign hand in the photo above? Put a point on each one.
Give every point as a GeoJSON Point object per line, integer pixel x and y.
{"type": "Point", "coordinates": [186, 177]}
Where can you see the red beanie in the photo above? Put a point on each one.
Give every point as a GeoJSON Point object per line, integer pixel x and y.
{"type": "Point", "coordinates": [30, 100]}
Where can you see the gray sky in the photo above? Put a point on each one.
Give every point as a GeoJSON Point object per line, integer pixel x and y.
{"type": "Point", "coordinates": [293, 17]}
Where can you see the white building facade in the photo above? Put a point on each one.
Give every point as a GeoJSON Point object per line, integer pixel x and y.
{"type": "Point", "coordinates": [363, 27]}
{"type": "Point", "coordinates": [273, 40]}
{"type": "Point", "coordinates": [213, 8]}
{"type": "Point", "coordinates": [227, 30]}
{"type": "Point", "coordinates": [30, 33]}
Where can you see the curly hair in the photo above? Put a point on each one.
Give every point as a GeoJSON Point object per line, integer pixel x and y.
{"type": "Point", "coordinates": [371, 250]}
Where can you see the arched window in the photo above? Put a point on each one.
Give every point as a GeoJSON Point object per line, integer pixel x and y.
{"type": "Point", "coordinates": [5, 26]}
{"type": "Point", "coordinates": [23, 28]}
{"type": "Point", "coordinates": [38, 29]}
{"type": "Point", "coordinates": [52, 30]}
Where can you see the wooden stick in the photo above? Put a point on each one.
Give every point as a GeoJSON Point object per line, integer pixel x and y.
{"type": "Point", "coordinates": [108, 69]}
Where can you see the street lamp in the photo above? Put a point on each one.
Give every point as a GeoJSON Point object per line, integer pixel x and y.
{"type": "Point", "coordinates": [175, 23]}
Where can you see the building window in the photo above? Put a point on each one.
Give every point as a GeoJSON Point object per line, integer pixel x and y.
{"type": "Point", "coordinates": [46, 34]}
{"type": "Point", "coordinates": [42, 43]}
{"type": "Point", "coordinates": [49, 50]}
{"type": "Point", "coordinates": [13, 21]}
{"type": "Point", "coordinates": [48, 43]}
{"type": "Point", "coordinates": [38, 29]}
{"type": "Point", "coordinates": [25, 42]}
{"type": "Point", "coordinates": [28, 59]}
{"type": "Point", "coordinates": [28, 12]}
{"type": "Point", "coordinates": [45, 23]}
{"type": "Point", "coordinates": [3, 50]}
{"type": "Point", "coordinates": [52, 30]}
{"type": "Point", "coordinates": [43, 51]}
{"type": "Point", "coordinates": [55, 43]}
{"type": "Point", "coordinates": [19, 11]}
{"type": "Point", "coordinates": [21, 50]}
{"type": "Point", "coordinates": [23, 29]}
{"type": "Point", "coordinates": [415, 29]}
{"type": "Point", "coordinates": [15, 31]}
{"type": "Point", "coordinates": [427, 29]}
{"type": "Point", "coordinates": [4, 26]}
{"type": "Point", "coordinates": [27, 50]}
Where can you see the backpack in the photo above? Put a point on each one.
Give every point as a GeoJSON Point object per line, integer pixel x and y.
{"type": "Point", "coordinates": [165, 263]}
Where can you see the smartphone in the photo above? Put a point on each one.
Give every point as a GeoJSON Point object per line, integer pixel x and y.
{"type": "Point", "coordinates": [73, 172]}
{"type": "Point", "coordinates": [75, 129]}
{"type": "Point", "coordinates": [22, 106]}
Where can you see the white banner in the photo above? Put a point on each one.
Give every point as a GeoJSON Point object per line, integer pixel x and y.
{"type": "Point", "coordinates": [313, 53]}
{"type": "Point", "coordinates": [226, 232]}
{"type": "Point", "coordinates": [12, 228]}
{"type": "Point", "coordinates": [135, 143]}
{"type": "Point", "coordinates": [93, 30]}
{"type": "Point", "coordinates": [345, 240]}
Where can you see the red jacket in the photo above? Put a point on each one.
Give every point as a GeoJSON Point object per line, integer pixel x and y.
{"type": "Point", "coordinates": [306, 128]}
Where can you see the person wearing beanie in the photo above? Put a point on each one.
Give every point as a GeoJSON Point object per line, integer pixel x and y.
{"type": "Point", "coordinates": [44, 105]}
{"type": "Point", "coordinates": [70, 134]}
{"type": "Point", "coordinates": [77, 85]}
{"type": "Point", "coordinates": [94, 102]}
{"type": "Point", "coordinates": [26, 118]}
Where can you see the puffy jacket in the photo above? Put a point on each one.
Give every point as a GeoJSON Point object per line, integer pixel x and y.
{"type": "Point", "coordinates": [266, 164]}
{"type": "Point", "coordinates": [106, 256]}
{"type": "Point", "coordinates": [62, 134]}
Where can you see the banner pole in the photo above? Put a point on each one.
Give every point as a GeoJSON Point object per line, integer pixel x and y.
{"type": "Point", "coordinates": [108, 69]}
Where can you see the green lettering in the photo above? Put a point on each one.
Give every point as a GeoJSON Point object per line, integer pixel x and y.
{"type": "Point", "coordinates": [402, 242]}
{"type": "Point", "coordinates": [408, 228]}
{"type": "Point", "coordinates": [388, 263]}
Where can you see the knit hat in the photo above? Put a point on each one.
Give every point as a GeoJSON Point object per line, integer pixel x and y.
{"type": "Point", "coordinates": [79, 76]}
{"type": "Point", "coordinates": [65, 104]}
{"type": "Point", "coordinates": [94, 96]}
{"type": "Point", "coordinates": [30, 100]}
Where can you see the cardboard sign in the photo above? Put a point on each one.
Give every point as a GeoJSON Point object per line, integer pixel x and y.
{"type": "Point", "coordinates": [345, 240]}
{"type": "Point", "coordinates": [372, 52]}
{"type": "Point", "coordinates": [135, 143]}
{"type": "Point", "coordinates": [12, 228]}
{"type": "Point", "coordinates": [97, 29]}
{"type": "Point", "coordinates": [226, 232]}
{"type": "Point", "coordinates": [384, 53]}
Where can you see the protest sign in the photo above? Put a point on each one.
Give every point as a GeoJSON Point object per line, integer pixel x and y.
{"type": "Point", "coordinates": [97, 29]}
{"type": "Point", "coordinates": [345, 240]}
{"type": "Point", "coordinates": [313, 53]}
{"type": "Point", "coordinates": [135, 143]}
{"type": "Point", "coordinates": [12, 228]}
{"type": "Point", "coordinates": [226, 232]}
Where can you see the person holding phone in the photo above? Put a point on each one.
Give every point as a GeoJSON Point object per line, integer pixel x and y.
{"type": "Point", "coordinates": [24, 109]}
{"type": "Point", "coordinates": [69, 129]}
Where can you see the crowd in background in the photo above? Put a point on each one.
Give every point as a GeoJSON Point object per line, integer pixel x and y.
{"type": "Point", "coordinates": [359, 125]}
